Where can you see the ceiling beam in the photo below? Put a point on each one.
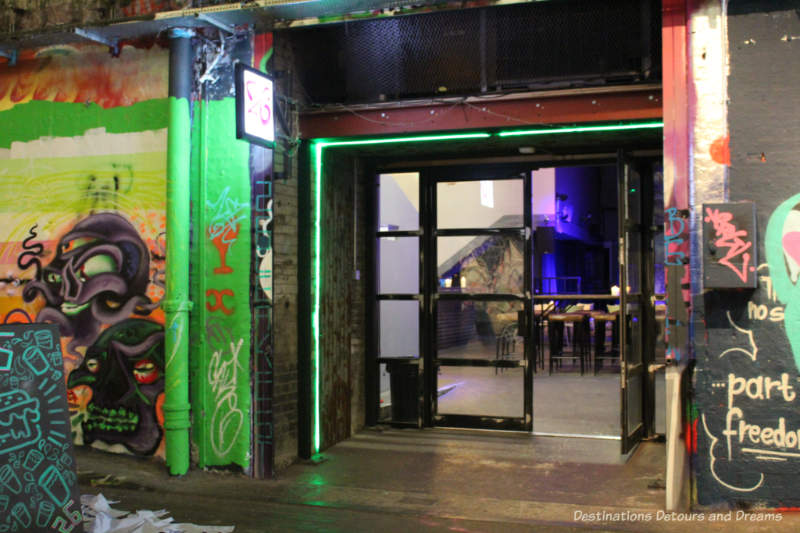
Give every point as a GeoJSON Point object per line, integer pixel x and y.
{"type": "Point", "coordinates": [563, 107]}
{"type": "Point", "coordinates": [97, 37]}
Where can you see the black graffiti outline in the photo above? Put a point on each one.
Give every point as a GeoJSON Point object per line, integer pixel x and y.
{"type": "Point", "coordinates": [30, 257]}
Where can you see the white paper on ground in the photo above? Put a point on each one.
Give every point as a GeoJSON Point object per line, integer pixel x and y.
{"type": "Point", "coordinates": [99, 517]}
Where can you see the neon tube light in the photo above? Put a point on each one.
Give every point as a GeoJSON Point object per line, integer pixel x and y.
{"type": "Point", "coordinates": [421, 138]}
{"type": "Point", "coordinates": [582, 129]}
{"type": "Point", "coordinates": [317, 150]}
{"type": "Point", "coordinates": [318, 147]}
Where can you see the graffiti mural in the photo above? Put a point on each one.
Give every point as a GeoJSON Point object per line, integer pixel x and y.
{"type": "Point", "coordinates": [749, 431]}
{"type": "Point", "coordinates": [783, 257]}
{"type": "Point", "coordinates": [83, 74]}
{"type": "Point", "coordinates": [82, 248]}
{"type": "Point", "coordinates": [221, 371]}
{"type": "Point", "coordinates": [226, 214]}
{"type": "Point", "coordinates": [82, 235]}
{"type": "Point", "coordinates": [99, 276]}
{"type": "Point", "coordinates": [753, 432]}
{"type": "Point", "coordinates": [120, 387]}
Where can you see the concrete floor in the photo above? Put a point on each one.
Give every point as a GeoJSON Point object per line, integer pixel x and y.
{"type": "Point", "coordinates": [393, 480]}
{"type": "Point", "coordinates": [564, 402]}
{"type": "Point", "coordinates": [569, 403]}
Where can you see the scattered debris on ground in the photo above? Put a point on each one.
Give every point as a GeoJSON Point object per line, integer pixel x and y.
{"type": "Point", "coordinates": [99, 517]}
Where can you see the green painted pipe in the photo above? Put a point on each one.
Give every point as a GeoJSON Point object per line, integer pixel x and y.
{"type": "Point", "coordinates": [176, 302]}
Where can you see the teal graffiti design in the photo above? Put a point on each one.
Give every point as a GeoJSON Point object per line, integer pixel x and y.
{"type": "Point", "coordinates": [788, 291]}
{"type": "Point", "coordinates": [674, 237]}
{"type": "Point", "coordinates": [6, 355]}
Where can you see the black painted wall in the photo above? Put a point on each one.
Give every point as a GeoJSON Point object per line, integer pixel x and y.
{"type": "Point", "coordinates": [748, 340]}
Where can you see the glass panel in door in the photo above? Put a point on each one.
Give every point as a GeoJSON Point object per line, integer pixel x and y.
{"type": "Point", "coordinates": [480, 279]}
{"type": "Point", "coordinates": [480, 204]}
{"type": "Point", "coordinates": [397, 289]}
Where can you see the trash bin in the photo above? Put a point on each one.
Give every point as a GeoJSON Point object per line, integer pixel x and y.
{"type": "Point", "coordinates": [404, 382]}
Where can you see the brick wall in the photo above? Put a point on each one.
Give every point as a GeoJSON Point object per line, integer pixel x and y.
{"type": "Point", "coordinates": [342, 341]}
{"type": "Point", "coordinates": [285, 227]}
{"type": "Point", "coordinates": [285, 319]}
{"type": "Point", "coordinates": [358, 347]}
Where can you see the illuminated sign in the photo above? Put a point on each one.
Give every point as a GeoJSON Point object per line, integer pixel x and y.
{"type": "Point", "coordinates": [255, 120]}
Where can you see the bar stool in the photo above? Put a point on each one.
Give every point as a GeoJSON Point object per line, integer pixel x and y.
{"type": "Point", "coordinates": [580, 342]}
{"type": "Point", "coordinates": [600, 320]}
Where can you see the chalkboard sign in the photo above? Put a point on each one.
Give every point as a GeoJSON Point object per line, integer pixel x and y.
{"type": "Point", "coordinates": [38, 484]}
{"type": "Point", "coordinates": [729, 246]}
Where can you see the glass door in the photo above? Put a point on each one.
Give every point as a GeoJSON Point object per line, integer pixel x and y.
{"type": "Point", "coordinates": [633, 312]}
{"type": "Point", "coordinates": [478, 277]}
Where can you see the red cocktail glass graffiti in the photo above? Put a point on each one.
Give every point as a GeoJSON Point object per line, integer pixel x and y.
{"type": "Point", "coordinates": [223, 241]}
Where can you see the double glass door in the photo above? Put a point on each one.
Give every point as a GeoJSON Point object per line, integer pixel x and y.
{"type": "Point", "coordinates": [454, 306]}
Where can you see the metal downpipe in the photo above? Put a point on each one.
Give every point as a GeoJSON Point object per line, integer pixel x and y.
{"type": "Point", "coordinates": [176, 303]}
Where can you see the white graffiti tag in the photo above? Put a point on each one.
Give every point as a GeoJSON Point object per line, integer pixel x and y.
{"type": "Point", "coordinates": [713, 459]}
{"type": "Point", "coordinates": [227, 419]}
{"type": "Point", "coordinates": [753, 352]}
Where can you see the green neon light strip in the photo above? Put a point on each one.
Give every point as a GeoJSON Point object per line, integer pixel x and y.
{"type": "Point", "coordinates": [422, 138]}
{"type": "Point", "coordinates": [317, 148]}
{"type": "Point", "coordinates": [581, 129]}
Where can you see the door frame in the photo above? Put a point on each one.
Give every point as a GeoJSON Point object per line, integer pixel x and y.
{"type": "Point", "coordinates": [427, 301]}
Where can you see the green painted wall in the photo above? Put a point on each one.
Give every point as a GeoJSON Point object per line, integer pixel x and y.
{"type": "Point", "coordinates": [221, 247]}
{"type": "Point", "coordinates": [38, 118]}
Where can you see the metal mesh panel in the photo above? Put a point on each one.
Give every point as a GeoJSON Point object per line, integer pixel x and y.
{"type": "Point", "coordinates": [522, 46]}
{"type": "Point", "coordinates": [553, 42]}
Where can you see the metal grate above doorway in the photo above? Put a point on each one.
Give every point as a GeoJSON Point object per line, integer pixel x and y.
{"type": "Point", "coordinates": [516, 47]}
